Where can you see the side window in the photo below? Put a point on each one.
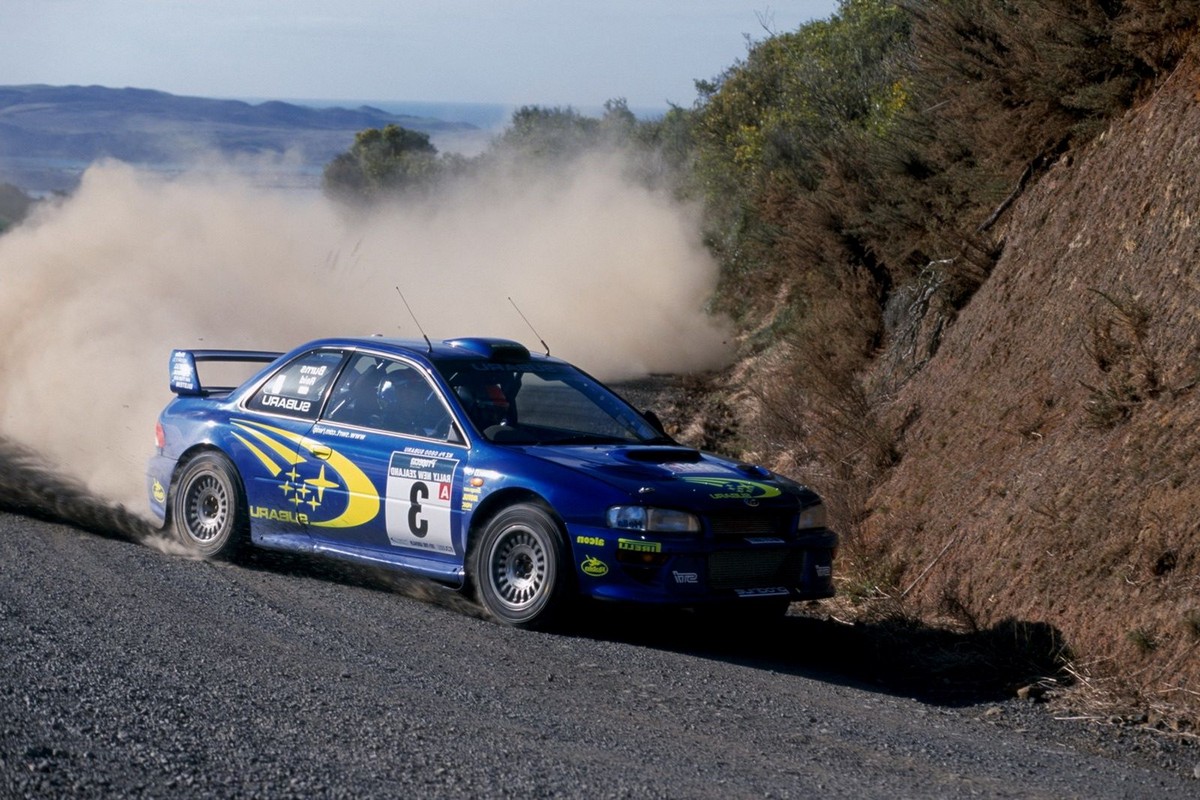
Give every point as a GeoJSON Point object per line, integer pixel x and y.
{"type": "Point", "coordinates": [297, 389]}
{"type": "Point", "coordinates": [388, 395]}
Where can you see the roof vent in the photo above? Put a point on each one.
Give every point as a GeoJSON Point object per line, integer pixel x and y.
{"type": "Point", "coordinates": [502, 350]}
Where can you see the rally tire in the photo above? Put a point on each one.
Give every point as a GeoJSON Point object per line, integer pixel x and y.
{"type": "Point", "coordinates": [519, 567]}
{"type": "Point", "coordinates": [208, 507]}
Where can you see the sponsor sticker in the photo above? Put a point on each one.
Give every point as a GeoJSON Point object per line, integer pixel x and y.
{"type": "Point", "coordinates": [278, 515]}
{"type": "Point", "coordinates": [286, 403]}
{"type": "Point", "coordinates": [470, 496]}
{"type": "Point", "coordinates": [593, 567]}
{"type": "Point", "coordinates": [638, 546]}
{"type": "Point", "coordinates": [735, 488]}
{"type": "Point", "coordinates": [183, 371]}
{"type": "Point", "coordinates": [773, 591]}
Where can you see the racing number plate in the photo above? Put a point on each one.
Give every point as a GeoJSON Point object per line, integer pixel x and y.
{"type": "Point", "coordinates": [419, 489]}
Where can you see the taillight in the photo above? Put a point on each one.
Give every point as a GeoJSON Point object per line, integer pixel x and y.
{"type": "Point", "coordinates": [160, 438]}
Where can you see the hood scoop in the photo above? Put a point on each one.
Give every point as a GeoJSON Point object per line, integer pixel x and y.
{"type": "Point", "coordinates": [662, 455]}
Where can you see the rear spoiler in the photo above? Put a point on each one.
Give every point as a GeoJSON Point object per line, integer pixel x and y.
{"type": "Point", "coordinates": [185, 380]}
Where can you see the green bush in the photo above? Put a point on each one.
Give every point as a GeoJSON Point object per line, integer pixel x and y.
{"type": "Point", "coordinates": [382, 162]}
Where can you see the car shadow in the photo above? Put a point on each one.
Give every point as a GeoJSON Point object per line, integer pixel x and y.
{"type": "Point", "coordinates": [895, 655]}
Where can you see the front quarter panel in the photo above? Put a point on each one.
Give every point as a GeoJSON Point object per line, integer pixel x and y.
{"type": "Point", "coordinates": [499, 476]}
{"type": "Point", "coordinates": [749, 546]}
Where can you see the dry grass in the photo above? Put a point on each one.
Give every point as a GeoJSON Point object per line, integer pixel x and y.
{"type": "Point", "coordinates": [1051, 473]}
{"type": "Point", "coordinates": [1029, 457]}
{"type": "Point", "coordinates": [1117, 344]}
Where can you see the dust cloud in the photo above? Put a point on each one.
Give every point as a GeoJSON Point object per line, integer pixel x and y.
{"type": "Point", "coordinates": [96, 291]}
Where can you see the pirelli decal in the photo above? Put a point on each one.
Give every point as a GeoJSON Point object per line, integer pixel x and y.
{"type": "Point", "coordinates": [638, 546]}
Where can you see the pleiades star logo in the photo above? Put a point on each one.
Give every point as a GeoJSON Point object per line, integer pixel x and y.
{"type": "Point", "coordinates": [735, 488]}
{"type": "Point", "coordinates": [308, 470]}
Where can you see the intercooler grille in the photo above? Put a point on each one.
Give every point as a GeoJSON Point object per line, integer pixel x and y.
{"type": "Point", "coordinates": [737, 527]}
{"type": "Point", "coordinates": [755, 569]}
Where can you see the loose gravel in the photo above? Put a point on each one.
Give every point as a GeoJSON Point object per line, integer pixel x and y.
{"type": "Point", "coordinates": [127, 672]}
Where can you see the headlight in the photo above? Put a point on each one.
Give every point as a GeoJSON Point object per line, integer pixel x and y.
{"type": "Point", "coordinates": [656, 520]}
{"type": "Point", "coordinates": [813, 517]}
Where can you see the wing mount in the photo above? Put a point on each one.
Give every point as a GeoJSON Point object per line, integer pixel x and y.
{"type": "Point", "coordinates": [185, 377]}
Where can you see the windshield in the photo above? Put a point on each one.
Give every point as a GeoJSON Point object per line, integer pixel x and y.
{"type": "Point", "coordinates": [543, 403]}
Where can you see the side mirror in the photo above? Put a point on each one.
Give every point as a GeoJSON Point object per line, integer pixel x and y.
{"type": "Point", "coordinates": [654, 421]}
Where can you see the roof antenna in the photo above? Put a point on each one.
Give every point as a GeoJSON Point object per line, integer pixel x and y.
{"type": "Point", "coordinates": [414, 319]}
{"type": "Point", "coordinates": [530, 324]}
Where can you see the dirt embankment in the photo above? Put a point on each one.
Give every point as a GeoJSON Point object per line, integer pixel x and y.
{"type": "Point", "coordinates": [1050, 466]}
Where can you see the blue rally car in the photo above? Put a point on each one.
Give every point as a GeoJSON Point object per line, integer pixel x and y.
{"type": "Point", "coordinates": [477, 464]}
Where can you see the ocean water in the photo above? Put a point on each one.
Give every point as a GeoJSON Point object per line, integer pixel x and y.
{"type": "Point", "coordinates": [43, 176]}
{"type": "Point", "coordinates": [485, 116]}
{"type": "Point", "coordinates": [489, 119]}
{"type": "Point", "coordinates": [492, 117]}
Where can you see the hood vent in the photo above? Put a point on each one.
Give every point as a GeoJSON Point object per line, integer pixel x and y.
{"type": "Point", "coordinates": [663, 455]}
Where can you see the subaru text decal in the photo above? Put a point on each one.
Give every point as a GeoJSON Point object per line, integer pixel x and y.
{"type": "Point", "coordinates": [735, 488]}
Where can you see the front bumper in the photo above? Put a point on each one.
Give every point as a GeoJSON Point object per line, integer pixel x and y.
{"type": "Point", "coordinates": [613, 565]}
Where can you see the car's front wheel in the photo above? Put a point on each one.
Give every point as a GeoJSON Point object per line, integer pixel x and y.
{"type": "Point", "coordinates": [520, 570]}
{"type": "Point", "coordinates": [207, 507]}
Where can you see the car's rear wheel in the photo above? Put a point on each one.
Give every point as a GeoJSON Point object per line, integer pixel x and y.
{"type": "Point", "coordinates": [207, 507]}
{"type": "Point", "coordinates": [519, 567]}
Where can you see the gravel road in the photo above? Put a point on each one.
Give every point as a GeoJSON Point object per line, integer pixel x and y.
{"type": "Point", "coordinates": [128, 672]}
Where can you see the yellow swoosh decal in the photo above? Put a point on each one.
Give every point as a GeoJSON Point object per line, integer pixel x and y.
{"type": "Point", "coordinates": [288, 454]}
{"type": "Point", "coordinates": [362, 503]}
{"type": "Point", "coordinates": [266, 460]}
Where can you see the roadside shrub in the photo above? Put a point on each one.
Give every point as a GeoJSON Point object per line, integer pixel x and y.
{"type": "Point", "coordinates": [1130, 374]}
{"type": "Point", "coordinates": [1143, 640]}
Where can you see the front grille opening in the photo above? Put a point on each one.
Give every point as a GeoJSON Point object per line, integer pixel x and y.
{"type": "Point", "coordinates": [741, 526]}
{"type": "Point", "coordinates": [756, 569]}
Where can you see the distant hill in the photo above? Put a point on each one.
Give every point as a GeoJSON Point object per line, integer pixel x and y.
{"type": "Point", "coordinates": [14, 205]}
{"type": "Point", "coordinates": [48, 128]}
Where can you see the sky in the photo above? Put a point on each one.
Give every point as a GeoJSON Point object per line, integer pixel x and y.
{"type": "Point", "coordinates": [511, 52]}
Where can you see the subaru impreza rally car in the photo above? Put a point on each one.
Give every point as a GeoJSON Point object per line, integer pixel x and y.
{"type": "Point", "coordinates": [478, 464]}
